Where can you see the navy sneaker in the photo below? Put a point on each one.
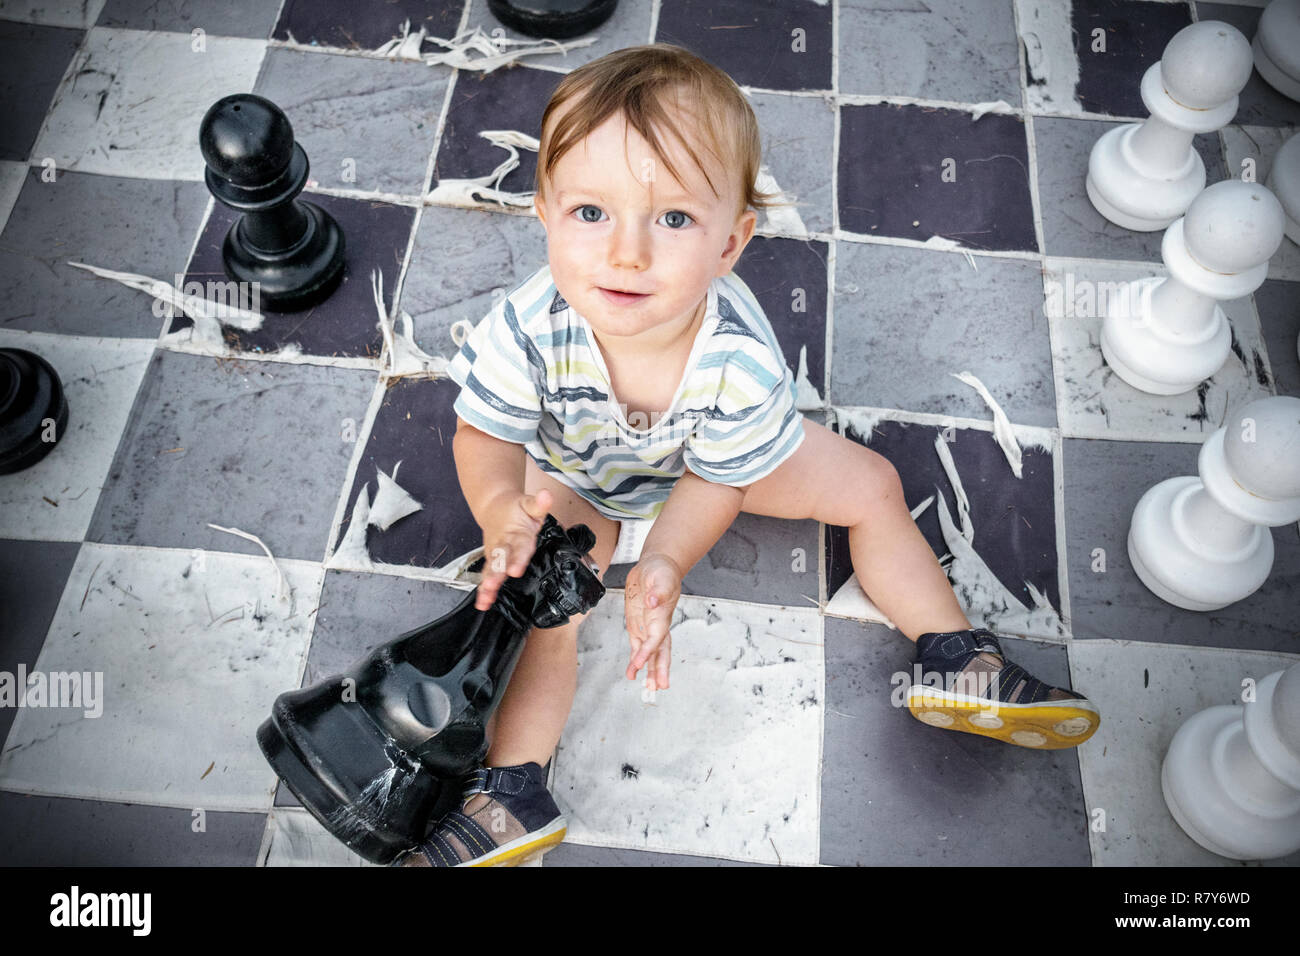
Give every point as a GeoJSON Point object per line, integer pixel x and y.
{"type": "Point", "coordinates": [968, 685]}
{"type": "Point", "coordinates": [507, 817]}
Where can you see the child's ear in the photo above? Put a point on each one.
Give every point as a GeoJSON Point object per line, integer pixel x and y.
{"type": "Point", "coordinates": [539, 208]}
{"type": "Point", "coordinates": [741, 233]}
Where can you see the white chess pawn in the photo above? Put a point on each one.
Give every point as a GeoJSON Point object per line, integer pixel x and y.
{"type": "Point", "coordinates": [1203, 543]}
{"type": "Point", "coordinates": [1277, 47]}
{"type": "Point", "coordinates": [1144, 175]}
{"type": "Point", "coordinates": [1284, 182]}
{"type": "Point", "coordinates": [1231, 777]}
{"type": "Point", "coordinates": [1167, 335]}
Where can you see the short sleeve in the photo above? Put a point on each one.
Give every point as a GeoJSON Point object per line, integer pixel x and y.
{"type": "Point", "coordinates": [500, 374]}
{"type": "Point", "coordinates": [753, 429]}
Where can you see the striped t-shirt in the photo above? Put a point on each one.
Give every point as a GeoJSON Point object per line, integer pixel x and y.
{"type": "Point", "coordinates": [532, 373]}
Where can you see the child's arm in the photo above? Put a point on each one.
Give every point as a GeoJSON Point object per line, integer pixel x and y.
{"type": "Point", "coordinates": [691, 521]}
{"type": "Point", "coordinates": [486, 466]}
{"type": "Point", "coordinates": [491, 473]}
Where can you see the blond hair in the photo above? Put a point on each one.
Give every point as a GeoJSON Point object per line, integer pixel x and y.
{"type": "Point", "coordinates": [636, 82]}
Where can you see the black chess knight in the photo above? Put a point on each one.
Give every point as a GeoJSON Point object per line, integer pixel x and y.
{"type": "Point", "coordinates": [376, 753]}
{"type": "Point", "coordinates": [291, 248]}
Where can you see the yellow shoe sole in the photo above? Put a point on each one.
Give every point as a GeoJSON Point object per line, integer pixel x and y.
{"type": "Point", "coordinates": [1043, 726]}
{"type": "Point", "coordinates": [524, 849]}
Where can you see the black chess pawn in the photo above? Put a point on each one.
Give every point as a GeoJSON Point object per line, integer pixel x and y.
{"type": "Point", "coordinates": [33, 409]}
{"type": "Point", "coordinates": [556, 19]}
{"type": "Point", "coordinates": [291, 248]}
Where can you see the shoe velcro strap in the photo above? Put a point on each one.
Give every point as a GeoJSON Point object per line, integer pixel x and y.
{"type": "Point", "coordinates": [962, 643]}
{"type": "Point", "coordinates": [507, 780]}
{"type": "Point", "coordinates": [1009, 679]}
{"type": "Point", "coordinates": [469, 831]}
{"type": "Point", "coordinates": [1035, 690]}
{"type": "Point", "coordinates": [476, 781]}
{"type": "Point", "coordinates": [438, 851]}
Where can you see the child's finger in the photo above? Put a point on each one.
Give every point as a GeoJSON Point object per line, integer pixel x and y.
{"type": "Point", "coordinates": [487, 591]}
{"type": "Point", "coordinates": [657, 620]}
{"type": "Point", "coordinates": [635, 638]}
{"type": "Point", "coordinates": [536, 506]}
{"type": "Point", "coordinates": [662, 660]}
{"type": "Point", "coordinates": [520, 555]}
{"type": "Point", "coordinates": [634, 618]}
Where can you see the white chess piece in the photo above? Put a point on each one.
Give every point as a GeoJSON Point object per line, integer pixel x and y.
{"type": "Point", "coordinates": [1167, 335]}
{"type": "Point", "coordinates": [1144, 175]}
{"type": "Point", "coordinates": [1277, 47]}
{"type": "Point", "coordinates": [1231, 777]}
{"type": "Point", "coordinates": [1284, 182]}
{"type": "Point", "coordinates": [1203, 543]}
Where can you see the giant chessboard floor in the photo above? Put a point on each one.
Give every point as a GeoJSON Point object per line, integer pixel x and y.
{"type": "Point", "coordinates": [780, 741]}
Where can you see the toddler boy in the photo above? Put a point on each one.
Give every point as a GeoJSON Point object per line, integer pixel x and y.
{"type": "Point", "coordinates": [634, 385]}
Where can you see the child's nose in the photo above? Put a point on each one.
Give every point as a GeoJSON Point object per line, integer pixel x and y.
{"type": "Point", "coordinates": [629, 247]}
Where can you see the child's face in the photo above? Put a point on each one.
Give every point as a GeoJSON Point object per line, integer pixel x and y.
{"type": "Point", "coordinates": [614, 228]}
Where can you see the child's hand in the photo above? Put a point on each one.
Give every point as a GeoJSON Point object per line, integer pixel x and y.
{"type": "Point", "coordinates": [509, 540]}
{"type": "Point", "coordinates": [651, 594]}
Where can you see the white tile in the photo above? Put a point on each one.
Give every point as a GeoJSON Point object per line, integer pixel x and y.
{"type": "Point", "coordinates": [1260, 144]}
{"type": "Point", "coordinates": [136, 112]}
{"type": "Point", "coordinates": [295, 838]}
{"type": "Point", "coordinates": [726, 762]}
{"type": "Point", "coordinates": [1146, 692]}
{"type": "Point", "coordinates": [80, 14]}
{"type": "Point", "coordinates": [1051, 63]}
{"type": "Point", "coordinates": [100, 378]}
{"type": "Point", "coordinates": [12, 177]}
{"type": "Point", "coordinates": [193, 647]}
{"type": "Point", "coordinates": [1094, 402]}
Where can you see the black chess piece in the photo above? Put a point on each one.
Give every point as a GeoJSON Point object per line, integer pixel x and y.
{"type": "Point", "coordinates": [31, 400]}
{"type": "Point", "coordinates": [376, 754]}
{"type": "Point", "coordinates": [556, 19]}
{"type": "Point", "coordinates": [292, 248]}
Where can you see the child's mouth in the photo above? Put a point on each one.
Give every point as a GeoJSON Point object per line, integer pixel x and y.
{"type": "Point", "coordinates": [622, 298]}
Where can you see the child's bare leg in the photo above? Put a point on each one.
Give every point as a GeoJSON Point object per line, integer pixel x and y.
{"type": "Point", "coordinates": [896, 566]}
{"type": "Point", "coordinates": [527, 725]}
{"type": "Point", "coordinates": [839, 482]}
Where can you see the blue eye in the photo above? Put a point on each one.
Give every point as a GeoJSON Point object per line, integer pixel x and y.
{"type": "Point", "coordinates": [582, 211]}
{"type": "Point", "coordinates": [675, 224]}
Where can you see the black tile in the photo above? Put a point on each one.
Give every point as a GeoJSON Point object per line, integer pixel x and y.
{"type": "Point", "coordinates": [788, 278]}
{"type": "Point", "coordinates": [365, 24]}
{"type": "Point", "coordinates": [376, 236]}
{"type": "Point", "coordinates": [1136, 33]}
{"type": "Point", "coordinates": [1014, 519]}
{"type": "Point", "coordinates": [511, 98]}
{"type": "Point", "coordinates": [260, 446]}
{"type": "Point", "coordinates": [415, 425]}
{"type": "Point", "coordinates": [243, 18]}
{"type": "Point", "coordinates": [895, 160]}
{"type": "Point", "coordinates": [783, 46]}
{"type": "Point", "coordinates": [32, 577]}
{"type": "Point", "coordinates": [1278, 304]}
{"type": "Point", "coordinates": [57, 831]}
{"type": "Point", "coordinates": [896, 792]}
{"type": "Point", "coordinates": [78, 217]}
{"type": "Point", "coordinates": [32, 62]}
{"type": "Point", "coordinates": [1104, 480]}
{"type": "Point", "coordinates": [1072, 226]}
